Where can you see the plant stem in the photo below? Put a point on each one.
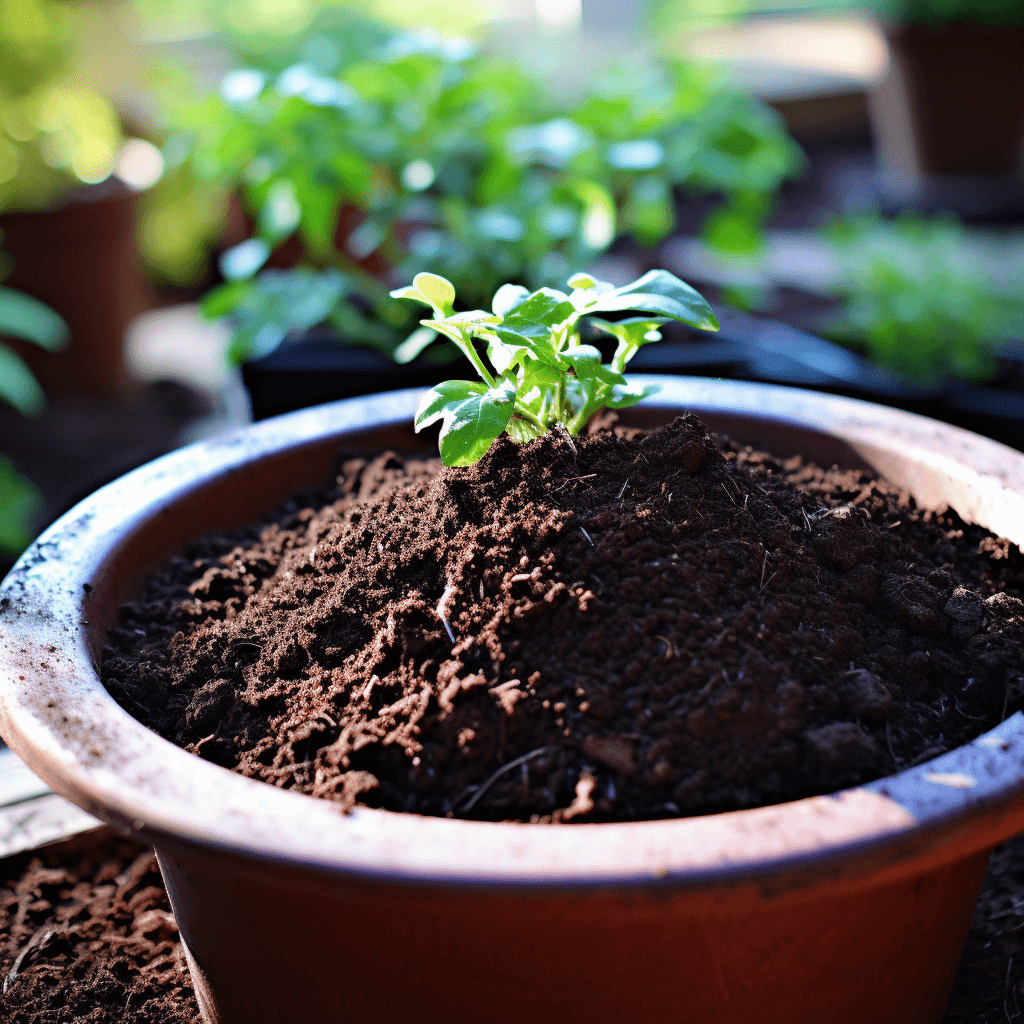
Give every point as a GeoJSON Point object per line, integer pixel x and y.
{"type": "Point", "coordinates": [525, 414]}
{"type": "Point", "coordinates": [466, 344]}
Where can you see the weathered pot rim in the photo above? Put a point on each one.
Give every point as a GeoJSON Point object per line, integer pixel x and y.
{"type": "Point", "coordinates": [57, 716]}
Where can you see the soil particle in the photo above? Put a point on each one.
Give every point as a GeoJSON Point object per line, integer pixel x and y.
{"type": "Point", "coordinates": [631, 626]}
{"type": "Point", "coordinates": [90, 938]}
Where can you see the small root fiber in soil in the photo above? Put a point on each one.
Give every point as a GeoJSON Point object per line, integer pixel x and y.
{"type": "Point", "coordinates": [623, 626]}
{"type": "Point", "coordinates": [89, 939]}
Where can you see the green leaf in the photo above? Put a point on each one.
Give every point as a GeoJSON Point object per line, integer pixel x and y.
{"type": "Point", "coordinates": [224, 300]}
{"type": "Point", "coordinates": [632, 333]}
{"type": "Point", "coordinates": [408, 292]}
{"type": "Point", "coordinates": [508, 297]}
{"type": "Point", "coordinates": [540, 375]}
{"type": "Point", "coordinates": [625, 395]}
{"type": "Point", "coordinates": [584, 359]}
{"type": "Point", "coordinates": [583, 282]}
{"type": "Point", "coordinates": [243, 260]}
{"type": "Point", "coordinates": [22, 316]}
{"type": "Point", "coordinates": [438, 290]}
{"type": "Point", "coordinates": [17, 385]}
{"type": "Point", "coordinates": [414, 344]}
{"type": "Point", "coordinates": [547, 306]}
{"type": "Point", "coordinates": [472, 416]}
{"type": "Point", "coordinates": [20, 503]}
{"type": "Point", "coordinates": [663, 293]}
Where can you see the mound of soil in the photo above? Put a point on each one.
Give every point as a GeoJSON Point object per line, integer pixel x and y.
{"type": "Point", "coordinates": [90, 938]}
{"type": "Point", "coordinates": [622, 626]}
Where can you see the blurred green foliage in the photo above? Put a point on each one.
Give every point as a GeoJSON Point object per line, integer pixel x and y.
{"type": "Point", "coordinates": [22, 317]}
{"type": "Point", "coordinates": [928, 298]}
{"type": "Point", "coordinates": [389, 153]}
{"type": "Point", "coordinates": [56, 131]}
{"type": "Point", "coordinates": [951, 12]}
{"type": "Point", "coordinates": [670, 15]}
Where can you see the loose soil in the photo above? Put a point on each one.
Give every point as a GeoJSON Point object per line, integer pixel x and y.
{"type": "Point", "coordinates": [89, 939]}
{"type": "Point", "coordinates": [641, 625]}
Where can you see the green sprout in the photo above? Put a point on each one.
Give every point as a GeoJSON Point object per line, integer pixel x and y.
{"type": "Point", "coordinates": [543, 376]}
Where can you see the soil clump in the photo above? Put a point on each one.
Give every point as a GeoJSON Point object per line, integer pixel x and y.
{"type": "Point", "coordinates": [621, 626]}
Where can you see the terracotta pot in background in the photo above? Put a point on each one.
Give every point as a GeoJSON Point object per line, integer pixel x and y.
{"type": "Point", "coordinates": [81, 259]}
{"type": "Point", "coordinates": [948, 118]}
{"type": "Point", "coordinates": [845, 908]}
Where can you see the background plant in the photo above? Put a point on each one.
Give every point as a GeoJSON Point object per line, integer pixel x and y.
{"type": "Point", "coordinates": [57, 132]}
{"type": "Point", "coordinates": [22, 317]}
{"type": "Point", "coordinates": [396, 153]}
{"type": "Point", "coordinates": [542, 376]}
{"type": "Point", "coordinates": [927, 298]}
{"type": "Point", "coordinates": [951, 12]}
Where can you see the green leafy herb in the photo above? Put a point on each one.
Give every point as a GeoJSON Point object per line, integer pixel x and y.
{"type": "Point", "coordinates": [927, 298]}
{"type": "Point", "coordinates": [541, 375]}
{"type": "Point", "coordinates": [383, 153]}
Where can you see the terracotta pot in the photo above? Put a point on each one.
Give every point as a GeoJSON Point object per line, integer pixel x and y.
{"type": "Point", "coordinates": [81, 259]}
{"type": "Point", "coordinates": [846, 908]}
{"type": "Point", "coordinates": [948, 118]}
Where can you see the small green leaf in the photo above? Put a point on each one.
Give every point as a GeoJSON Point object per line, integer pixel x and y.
{"type": "Point", "coordinates": [224, 300]}
{"type": "Point", "coordinates": [408, 292]}
{"type": "Point", "coordinates": [547, 306]}
{"type": "Point", "coordinates": [625, 395]}
{"type": "Point", "coordinates": [472, 415]}
{"type": "Point", "coordinates": [414, 344]}
{"type": "Point", "coordinates": [663, 293]}
{"type": "Point", "coordinates": [243, 260]}
{"type": "Point", "coordinates": [20, 503]}
{"type": "Point", "coordinates": [508, 297]}
{"type": "Point", "coordinates": [540, 375]}
{"type": "Point", "coordinates": [517, 331]}
{"type": "Point", "coordinates": [632, 334]}
{"type": "Point", "coordinates": [584, 359]}
{"type": "Point", "coordinates": [22, 316]}
{"type": "Point", "coordinates": [17, 385]}
{"type": "Point", "coordinates": [438, 290]}
{"type": "Point", "coordinates": [584, 282]}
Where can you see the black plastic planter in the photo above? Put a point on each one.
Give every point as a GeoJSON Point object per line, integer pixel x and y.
{"type": "Point", "coordinates": [318, 367]}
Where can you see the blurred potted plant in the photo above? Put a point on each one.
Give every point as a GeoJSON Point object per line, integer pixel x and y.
{"type": "Point", "coordinates": [949, 116]}
{"type": "Point", "coordinates": [67, 222]}
{"type": "Point", "coordinates": [429, 156]}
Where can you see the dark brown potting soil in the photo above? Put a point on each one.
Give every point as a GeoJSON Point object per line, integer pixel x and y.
{"type": "Point", "coordinates": [640, 626]}
{"type": "Point", "coordinates": [89, 939]}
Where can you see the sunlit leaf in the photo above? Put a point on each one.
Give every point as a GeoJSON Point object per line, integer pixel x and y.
{"type": "Point", "coordinates": [472, 416]}
{"type": "Point", "coordinates": [22, 316]}
{"type": "Point", "coordinates": [662, 293]}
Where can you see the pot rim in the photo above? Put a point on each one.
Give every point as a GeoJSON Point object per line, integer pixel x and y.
{"type": "Point", "coordinates": [56, 715]}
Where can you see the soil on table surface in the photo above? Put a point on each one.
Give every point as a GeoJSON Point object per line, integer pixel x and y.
{"type": "Point", "coordinates": [89, 939]}
{"type": "Point", "coordinates": [623, 626]}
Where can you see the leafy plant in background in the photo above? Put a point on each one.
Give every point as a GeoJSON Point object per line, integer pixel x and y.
{"type": "Point", "coordinates": [951, 12]}
{"type": "Point", "coordinates": [543, 376]}
{"type": "Point", "coordinates": [57, 133]}
{"type": "Point", "coordinates": [22, 317]}
{"type": "Point", "coordinates": [428, 156]}
{"type": "Point", "coordinates": [927, 298]}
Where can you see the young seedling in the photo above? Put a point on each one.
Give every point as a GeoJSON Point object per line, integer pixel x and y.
{"type": "Point", "coordinates": [542, 376]}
